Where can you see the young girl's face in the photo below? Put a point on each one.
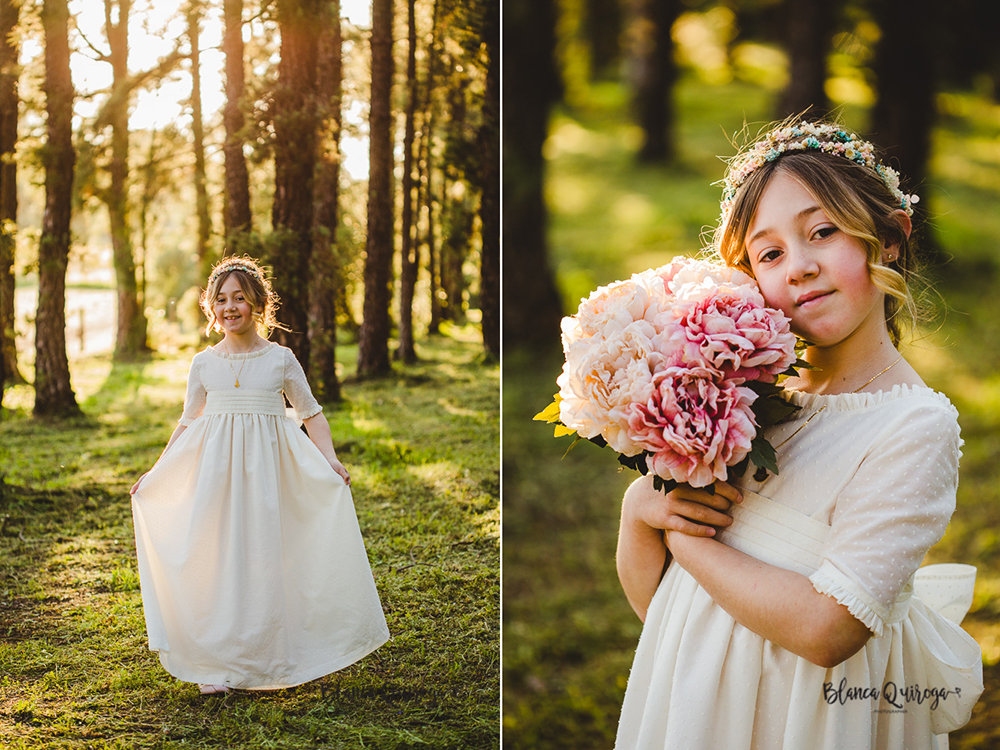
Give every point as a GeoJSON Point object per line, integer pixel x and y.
{"type": "Point", "coordinates": [232, 310]}
{"type": "Point", "coordinates": [809, 269]}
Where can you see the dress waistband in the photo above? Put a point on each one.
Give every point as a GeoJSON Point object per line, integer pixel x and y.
{"type": "Point", "coordinates": [783, 537]}
{"type": "Point", "coordinates": [244, 401]}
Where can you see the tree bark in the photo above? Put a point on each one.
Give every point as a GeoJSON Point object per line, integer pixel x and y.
{"type": "Point", "coordinates": [427, 171]}
{"type": "Point", "coordinates": [194, 15]}
{"type": "Point", "coordinates": [53, 394]}
{"type": "Point", "coordinates": [237, 184]}
{"type": "Point", "coordinates": [603, 26]}
{"type": "Point", "coordinates": [456, 224]}
{"type": "Point", "coordinates": [904, 111]}
{"type": "Point", "coordinates": [295, 127]}
{"type": "Point", "coordinates": [489, 184]}
{"type": "Point", "coordinates": [409, 250]}
{"type": "Point", "coordinates": [532, 309]}
{"type": "Point", "coordinates": [323, 295]}
{"type": "Point", "coordinates": [373, 345]}
{"type": "Point", "coordinates": [130, 342]}
{"type": "Point", "coordinates": [809, 26]}
{"type": "Point", "coordinates": [9, 16]}
{"type": "Point", "coordinates": [656, 72]}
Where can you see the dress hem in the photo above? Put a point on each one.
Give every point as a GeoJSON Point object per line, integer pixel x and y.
{"type": "Point", "coordinates": [329, 667]}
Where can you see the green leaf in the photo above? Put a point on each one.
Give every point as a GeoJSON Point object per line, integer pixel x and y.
{"type": "Point", "coordinates": [636, 463]}
{"type": "Point", "coordinates": [762, 454]}
{"type": "Point", "coordinates": [664, 485]}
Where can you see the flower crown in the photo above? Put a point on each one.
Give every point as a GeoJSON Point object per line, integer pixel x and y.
{"type": "Point", "coordinates": [830, 139]}
{"type": "Point", "coordinates": [236, 264]}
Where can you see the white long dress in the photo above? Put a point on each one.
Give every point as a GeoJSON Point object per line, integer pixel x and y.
{"type": "Point", "coordinates": [864, 490]}
{"type": "Point", "coordinates": [251, 562]}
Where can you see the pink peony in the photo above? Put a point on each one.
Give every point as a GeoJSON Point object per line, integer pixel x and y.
{"type": "Point", "coordinates": [736, 334]}
{"type": "Point", "coordinates": [693, 425]}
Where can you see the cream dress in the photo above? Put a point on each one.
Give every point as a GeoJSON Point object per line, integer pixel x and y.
{"type": "Point", "coordinates": [864, 490]}
{"type": "Point", "coordinates": [251, 562]}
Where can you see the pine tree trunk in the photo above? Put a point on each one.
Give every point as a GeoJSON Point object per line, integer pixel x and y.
{"type": "Point", "coordinates": [53, 394]}
{"type": "Point", "coordinates": [194, 15]}
{"type": "Point", "coordinates": [656, 72]}
{"type": "Point", "coordinates": [410, 251]}
{"type": "Point", "coordinates": [532, 308]}
{"type": "Point", "coordinates": [456, 229]}
{"type": "Point", "coordinates": [809, 33]}
{"type": "Point", "coordinates": [373, 345]}
{"type": "Point", "coordinates": [237, 184]}
{"type": "Point", "coordinates": [295, 127]}
{"type": "Point", "coordinates": [603, 26]}
{"type": "Point", "coordinates": [489, 179]}
{"type": "Point", "coordinates": [9, 12]}
{"type": "Point", "coordinates": [427, 181]}
{"type": "Point", "coordinates": [130, 342]}
{"type": "Point", "coordinates": [323, 294]}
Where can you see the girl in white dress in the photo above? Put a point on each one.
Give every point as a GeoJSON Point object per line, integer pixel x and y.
{"type": "Point", "coordinates": [779, 612]}
{"type": "Point", "coordinates": [253, 570]}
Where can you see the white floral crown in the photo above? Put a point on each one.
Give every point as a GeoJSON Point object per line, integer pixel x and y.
{"type": "Point", "coordinates": [830, 139]}
{"type": "Point", "coordinates": [236, 264]}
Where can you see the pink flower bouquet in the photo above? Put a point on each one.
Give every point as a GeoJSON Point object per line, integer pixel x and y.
{"type": "Point", "coordinates": [675, 370]}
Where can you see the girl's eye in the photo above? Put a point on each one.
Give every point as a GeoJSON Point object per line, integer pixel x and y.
{"type": "Point", "coordinates": [770, 256]}
{"type": "Point", "coordinates": [825, 232]}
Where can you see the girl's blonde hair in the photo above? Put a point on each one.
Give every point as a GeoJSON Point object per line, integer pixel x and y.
{"type": "Point", "coordinates": [254, 284]}
{"type": "Point", "coordinates": [858, 202]}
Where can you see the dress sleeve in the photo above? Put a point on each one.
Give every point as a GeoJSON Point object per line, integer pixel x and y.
{"type": "Point", "coordinates": [194, 400]}
{"type": "Point", "coordinates": [296, 388]}
{"type": "Point", "coordinates": [894, 509]}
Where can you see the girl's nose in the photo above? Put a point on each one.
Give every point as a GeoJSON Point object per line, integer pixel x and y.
{"type": "Point", "coordinates": [801, 265]}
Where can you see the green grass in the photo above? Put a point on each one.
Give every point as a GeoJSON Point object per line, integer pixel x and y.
{"type": "Point", "coordinates": [569, 634]}
{"type": "Point", "coordinates": [75, 670]}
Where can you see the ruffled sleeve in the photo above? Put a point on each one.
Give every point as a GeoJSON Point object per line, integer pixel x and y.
{"type": "Point", "coordinates": [297, 390]}
{"type": "Point", "coordinates": [893, 510]}
{"type": "Point", "coordinates": [194, 399]}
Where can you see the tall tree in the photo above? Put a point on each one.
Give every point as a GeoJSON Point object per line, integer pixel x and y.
{"type": "Point", "coordinates": [489, 184]}
{"type": "Point", "coordinates": [409, 250]}
{"type": "Point", "coordinates": [425, 169]}
{"type": "Point", "coordinates": [458, 210]}
{"type": "Point", "coordinates": [194, 13]}
{"type": "Point", "coordinates": [53, 394]}
{"type": "Point", "coordinates": [130, 341]}
{"type": "Point", "coordinates": [532, 308]}
{"type": "Point", "coordinates": [373, 345]}
{"type": "Point", "coordinates": [603, 27]}
{"type": "Point", "coordinates": [808, 32]}
{"type": "Point", "coordinates": [326, 276]}
{"type": "Point", "coordinates": [237, 184]}
{"type": "Point", "coordinates": [295, 127]}
{"type": "Point", "coordinates": [906, 73]}
{"type": "Point", "coordinates": [656, 72]}
{"type": "Point", "coordinates": [9, 15]}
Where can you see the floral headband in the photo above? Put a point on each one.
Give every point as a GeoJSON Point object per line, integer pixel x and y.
{"type": "Point", "coordinates": [236, 264]}
{"type": "Point", "coordinates": [810, 135]}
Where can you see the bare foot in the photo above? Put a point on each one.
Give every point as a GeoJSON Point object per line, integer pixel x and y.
{"type": "Point", "coordinates": [213, 689]}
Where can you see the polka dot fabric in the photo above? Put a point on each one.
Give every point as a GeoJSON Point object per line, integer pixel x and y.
{"type": "Point", "coordinates": [864, 490]}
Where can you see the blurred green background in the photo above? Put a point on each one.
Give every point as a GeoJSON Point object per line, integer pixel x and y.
{"type": "Point", "coordinates": [568, 632]}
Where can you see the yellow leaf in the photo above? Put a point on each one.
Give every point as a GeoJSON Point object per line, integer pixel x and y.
{"type": "Point", "coordinates": [562, 429]}
{"type": "Point", "coordinates": [550, 413]}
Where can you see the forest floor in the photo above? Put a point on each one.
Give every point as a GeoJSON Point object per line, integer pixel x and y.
{"type": "Point", "coordinates": [423, 450]}
{"type": "Point", "coordinates": [569, 634]}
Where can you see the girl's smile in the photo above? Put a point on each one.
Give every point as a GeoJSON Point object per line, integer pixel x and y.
{"type": "Point", "coordinates": [809, 268]}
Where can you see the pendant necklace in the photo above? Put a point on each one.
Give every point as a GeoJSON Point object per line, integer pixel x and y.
{"type": "Point", "coordinates": [762, 474]}
{"type": "Point", "coordinates": [236, 375]}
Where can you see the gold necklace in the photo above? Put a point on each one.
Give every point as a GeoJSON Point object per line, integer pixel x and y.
{"type": "Point", "coordinates": [236, 375]}
{"type": "Point", "coordinates": [823, 408]}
